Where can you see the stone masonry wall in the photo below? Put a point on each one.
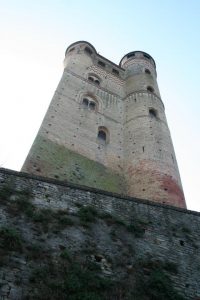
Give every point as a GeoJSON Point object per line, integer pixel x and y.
{"type": "Point", "coordinates": [128, 239]}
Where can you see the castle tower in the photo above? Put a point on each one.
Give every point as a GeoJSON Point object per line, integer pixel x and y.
{"type": "Point", "coordinates": [150, 165]}
{"type": "Point", "coordinates": [106, 128]}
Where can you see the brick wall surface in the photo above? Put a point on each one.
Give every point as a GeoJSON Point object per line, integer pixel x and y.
{"type": "Point", "coordinates": [139, 149]}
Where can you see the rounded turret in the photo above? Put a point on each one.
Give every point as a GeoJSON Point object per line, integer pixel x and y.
{"type": "Point", "coordinates": [140, 72]}
{"type": "Point", "coordinates": [150, 164]}
{"type": "Point", "coordinates": [79, 54]}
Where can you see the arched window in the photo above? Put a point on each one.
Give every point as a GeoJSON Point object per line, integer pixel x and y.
{"type": "Point", "coordinates": [94, 79]}
{"type": "Point", "coordinates": [147, 71]}
{"type": "Point", "coordinates": [153, 113]}
{"type": "Point", "coordinates": [88, 50]}
{"type": "Point", "coordinates": [90, 78]}
{"type": "Point", "coordinates": [89, 103]}
{"type": "Point", "coordinates": [85, 102]}
{"type": "Point", "coordinates": [150, 89]}
{"type": "Point", "coordinates": [103, 135]}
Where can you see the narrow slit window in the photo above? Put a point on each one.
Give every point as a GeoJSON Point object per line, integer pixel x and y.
{"type": "Point", "coordinates": [88, 50]}
{"type": "Point", "coordinates": [115, 71]}
{"type": "Point", "coordinates": [147, 71]}
{"type": "Point", "coordinates": [130, 55]}
{"type": "Point", "coordinates": [97, 82]}
{"type": "Point", "coordinates": [90, 78]}
{"type": "Point", "coordinates": [92, 105]}
{"type": "Point", "coordinates": [85, 102]}
{"type": "Point", "coordinates": [102, 64]}
{"type": "Point", "coordinates": [150, 89]}
{"type": "Point", "coordinates": [152, 113]}
{"type": "Point", "coordinates": [146, 56]}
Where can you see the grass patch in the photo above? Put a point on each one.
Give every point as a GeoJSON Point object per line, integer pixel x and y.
{"type": "Point", "coordinates": [137, 228]}
{"type": "Point", "coordinates": [6, 191]}
{"type": "Point", "coordinates": [87, 214]}
{"type": "Point", "coordinates": [65, 255]}
{"type": "Point", "coordinates": [10, 239]}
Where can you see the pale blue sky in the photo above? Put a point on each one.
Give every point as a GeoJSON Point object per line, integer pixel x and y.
{"type": "Point", "coordinates": [35, 34]}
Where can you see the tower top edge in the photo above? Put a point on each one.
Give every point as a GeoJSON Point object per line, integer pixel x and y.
{"type": "Point", "coordinates": [80, 42]}
{"type": "Point", "coordinates": [133, 55]}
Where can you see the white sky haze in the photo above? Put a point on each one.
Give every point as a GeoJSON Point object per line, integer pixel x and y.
{"type": "Point", "coordinates": [34, 37]}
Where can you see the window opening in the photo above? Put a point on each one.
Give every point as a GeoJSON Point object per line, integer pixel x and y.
{"type": "Point", "coordinates": [130, 55]}
{"type": "Point", "coordinates": [88, 50]}
{"type": "Point", "coordinates": [146, 55]}
{"type": "Point", "coordinates": [115, 71]}
{"type": "Point", "coordinates": [103, 135]}
{"type": "Point", "coordinates": [90, 78]}
{"type": "Point", "coordinates": [89, 104]}
{"type": "Point", "coordinates": [94, 79]}
{"type": "Point", "coordinates": [153, 113]}
{"type": "Point", "coordinates": [85, 102]}
{"type": "Point", "coordinates": [92, 105]}
{"type": "Point", "coordinates": [150, 89]}
{"type": "Point", "coordinates": [97, 82]}
{"type": "Point", "coordinates": [101, 63]}
{"type": "Point", "coordinates": [147, 71]}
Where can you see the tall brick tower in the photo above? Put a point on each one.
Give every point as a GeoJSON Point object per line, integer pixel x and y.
{"type": "Point", "coordinates": [106, 128]}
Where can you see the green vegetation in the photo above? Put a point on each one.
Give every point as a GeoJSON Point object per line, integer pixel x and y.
{"type": "Point", "coordinates": [70, 281]}
{"type": "Point", "coordinates": [65, 255]}
{"type": "Point", "coordinates": [10, 239]}
{"type": "Point", "coordinates": [87, 214]}
{"type": "Point", "coordinates": [76, 280]}
{"type": "Point", "coordinates": [153, 281]}
{"type": "Point", "coordinates": [6, 191]}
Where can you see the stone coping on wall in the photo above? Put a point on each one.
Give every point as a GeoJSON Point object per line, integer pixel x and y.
{"type": "Point", "coordinates": [94, 190]}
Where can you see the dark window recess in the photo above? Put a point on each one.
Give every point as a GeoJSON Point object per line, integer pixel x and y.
{"type": "Point", "coordinates": [147, 71]}
{"type": "Point", "coordinates": [153, 113]}
{"type": "Point", "coordinates": [143, 148]}
{"type": "Point", "coordinates": [92, 105]}
{"type": "Point", "coordinates": [85, 102]}
{"type": "Point", "coordinates": [102, 135]}
{"type": "Point", "coordinates": [88, 50]}
{"type": "Point", "coordinates": [72, 49]}
{"type": "Point", "coordinates": [115, 71]}
{"type": "Point", "coordinates": [150, 89]}
{"type": "Point", "coordinates": [130, 55]}
{"type": "Point", "coordinates": [102, 64]}
{"type": "Point", "coordinates": [97, 82]}
{"type": "Point", "coordinates": [90, 78]}
{"type": "Point", "coordinates": [146, 55]}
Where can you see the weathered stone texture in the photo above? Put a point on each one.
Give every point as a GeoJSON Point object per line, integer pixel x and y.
{"type": "Point", "coordinates": [169, 234]}
{"type": "Point", "coordinates": [139, 149]}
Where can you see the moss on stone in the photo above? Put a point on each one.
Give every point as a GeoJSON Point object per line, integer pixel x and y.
{"type": "Point", "coordinates": [52, 160]}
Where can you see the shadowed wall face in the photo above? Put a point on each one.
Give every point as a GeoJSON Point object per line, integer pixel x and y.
{"type": "Point", "coordinates": [42, 218]}
{"type": "Point", "coordinates": [106, 128]}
